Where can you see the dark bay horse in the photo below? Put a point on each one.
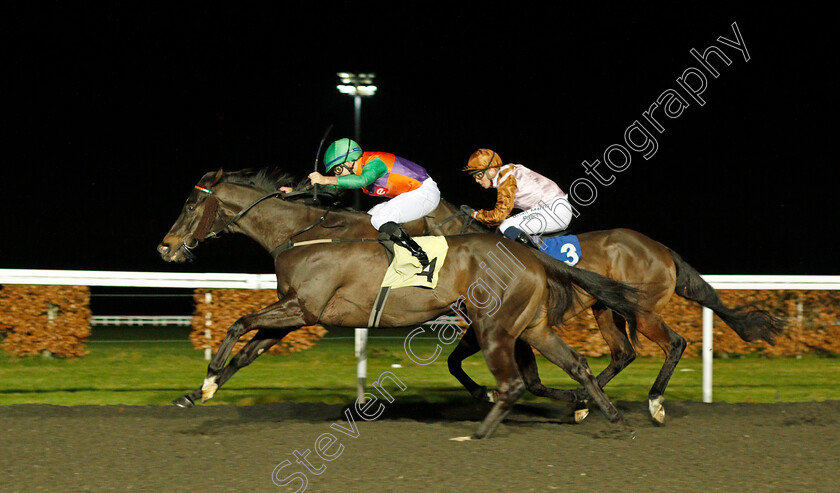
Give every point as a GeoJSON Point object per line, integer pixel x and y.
{"type": "Point", "coordinates": [631, 257]}
{"type": "Point", "coordinates": [335, 282]}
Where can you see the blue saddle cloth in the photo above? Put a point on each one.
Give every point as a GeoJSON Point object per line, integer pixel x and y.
{"type": "Point", "coordinates": [563, 248]}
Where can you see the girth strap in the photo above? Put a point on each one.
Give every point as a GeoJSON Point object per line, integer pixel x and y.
{"type": "Point", "coordinates": [292, 244]}
{"type": "Point", "coordinates": [378, 307]}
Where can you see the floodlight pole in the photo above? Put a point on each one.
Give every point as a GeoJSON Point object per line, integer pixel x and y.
{"type": "Point", "coordinates": [357, 117]}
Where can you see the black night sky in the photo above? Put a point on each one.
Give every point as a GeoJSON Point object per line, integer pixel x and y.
{"type": "Point", "coordinates": [113, 110]}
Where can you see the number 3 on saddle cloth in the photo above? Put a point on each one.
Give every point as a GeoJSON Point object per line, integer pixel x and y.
{"type": "Point", "coordinates": [563, 248]}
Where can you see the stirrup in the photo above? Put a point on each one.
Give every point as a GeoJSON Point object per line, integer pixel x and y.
{"type": "Point", "coordinates": [395, 233]}
{"type": "Point", "coordinates": [520, 236]}
{"type": "Point", "coordinates": [526, 240]}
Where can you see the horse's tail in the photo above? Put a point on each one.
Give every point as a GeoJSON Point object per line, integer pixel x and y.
{"type": "Point", "coordinates": [749, 323]}
{"type": "Point", "coordinates": [621, 298]}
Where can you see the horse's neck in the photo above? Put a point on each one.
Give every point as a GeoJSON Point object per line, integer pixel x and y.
{"type": "Point", "coordinates": [278, 222]}
{"type": "Point", "coordinates": [331, 223]}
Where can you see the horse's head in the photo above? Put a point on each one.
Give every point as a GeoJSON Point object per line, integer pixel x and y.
{"type": "Point", "coordinates": [199, 217]}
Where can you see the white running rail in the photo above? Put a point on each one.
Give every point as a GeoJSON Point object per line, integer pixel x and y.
{"type": "Point", "coordinates": [268, 281]}
{"type": "Point", "coordinates": [141, 320]}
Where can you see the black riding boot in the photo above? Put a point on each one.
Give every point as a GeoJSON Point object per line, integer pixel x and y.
{"type": "Point", "coordinates": [394, 232]}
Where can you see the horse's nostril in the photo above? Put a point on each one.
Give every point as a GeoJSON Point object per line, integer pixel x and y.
{"type": "Point", "coordinates": [163, 248]}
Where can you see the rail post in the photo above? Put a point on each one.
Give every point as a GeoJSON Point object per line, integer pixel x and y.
{"type": "Point", "coordinates": [708, 336]}
{"type": "Point", "coordinates": [361, 363]}
{"type": "Point", "coordinates": [208, 322]}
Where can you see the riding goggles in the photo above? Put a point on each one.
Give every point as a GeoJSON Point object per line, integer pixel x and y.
{"type": "Point", "coordinates": [337, 169]}
{"type": "Point", "coordinates": [479, 173]}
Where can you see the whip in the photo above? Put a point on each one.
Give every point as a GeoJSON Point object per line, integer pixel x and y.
{"type": "Point", "coordinates": [318, 155]}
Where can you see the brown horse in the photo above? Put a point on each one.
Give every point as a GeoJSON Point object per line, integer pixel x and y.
{"type": "Point", "coordinates": [630, 257]}
{"type": "Point", "coordinates": [334, 282]}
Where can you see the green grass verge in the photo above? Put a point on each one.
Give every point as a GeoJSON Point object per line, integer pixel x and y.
{"type": "Point", "coordinates": [155, 373]}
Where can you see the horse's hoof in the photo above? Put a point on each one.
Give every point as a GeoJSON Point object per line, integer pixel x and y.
{"type": "Point", "coordinates": [581, 414]}
{"type": "Point", "coordinates": [481, 394]}
{"type": "Point", "coordinates": [183, 402]}
{"type": "Point", "coordinates": [460, 439]}
{"type": "Point", "coordinates": [657, 410]}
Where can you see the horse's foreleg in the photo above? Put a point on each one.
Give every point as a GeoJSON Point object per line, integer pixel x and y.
{"type": "Point", "coordinates": [286, 313]}
{"type": "Point", "coordinates": [500, 360]}
{"type": "Point", "coordinates": [467, 346]}
{"type": "Point", "coordinates": [260, 343]}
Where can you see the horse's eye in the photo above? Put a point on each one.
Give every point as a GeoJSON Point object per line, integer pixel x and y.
{"type": "Point", "coordinates": [191, 207]}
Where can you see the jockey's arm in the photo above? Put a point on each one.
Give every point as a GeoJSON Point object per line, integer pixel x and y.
{"type": "Point", "coordinates": [373, 170]}
{"type": "Point", "coordinates": [504, 204]}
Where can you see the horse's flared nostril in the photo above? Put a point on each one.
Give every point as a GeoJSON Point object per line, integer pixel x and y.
{"type": "Point", "coordinates": [163, 248]}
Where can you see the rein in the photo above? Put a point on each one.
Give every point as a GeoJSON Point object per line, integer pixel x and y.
{"type": "Point", "coordinates": [214, 204]}
{"type": "Point", "coordinates": [467, 223]}
{"type": "Point", "coordinates": [240, 213]}
{"type": "Point", "coordinates": [211, 211]}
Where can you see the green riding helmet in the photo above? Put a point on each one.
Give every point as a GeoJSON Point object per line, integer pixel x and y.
{"type": "Point", "coordinates": [341, 151]}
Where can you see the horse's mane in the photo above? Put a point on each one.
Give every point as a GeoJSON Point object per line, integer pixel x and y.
{"type": "Point", "coordinates": [266, 179]}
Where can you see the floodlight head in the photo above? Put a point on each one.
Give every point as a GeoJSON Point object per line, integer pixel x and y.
{"type": "Point", "coordinates": [366, 90]}
{"type": "Point", "coordinates": [356, 84]}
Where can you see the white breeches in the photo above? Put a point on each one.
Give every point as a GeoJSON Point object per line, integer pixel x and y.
{"type": "Point", "coordinates": [545, 218]}
{"type": "Point", "coordinates": [407, 206]}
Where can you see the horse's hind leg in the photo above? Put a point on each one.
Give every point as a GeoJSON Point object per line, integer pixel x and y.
{"type": "Point", "coordinates": [673, 344]}
{"type": "Point", "coordinates": [260, 343]}
{"type": "Point", "coordinates": [558, 352]}
{"type": "Point", "coordinates": [467, 346]}
{"type": "Point", "coordinates": [527, 364]}
{"type": "Point", "coordinates": [612, 327]}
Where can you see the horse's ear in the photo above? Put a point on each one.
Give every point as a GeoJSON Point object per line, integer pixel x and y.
{"type": "Point", "coordinates": [217, 177]}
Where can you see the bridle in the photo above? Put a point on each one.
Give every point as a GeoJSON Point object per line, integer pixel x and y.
{"type": "Point", "coordinates": [205, 222]}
